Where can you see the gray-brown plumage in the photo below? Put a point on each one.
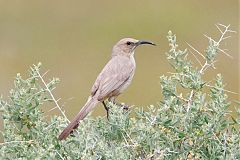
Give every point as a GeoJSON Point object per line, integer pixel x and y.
{"type": "Point", "coordinates": [112, 81]}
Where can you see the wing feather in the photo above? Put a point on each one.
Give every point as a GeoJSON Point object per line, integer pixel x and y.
{"type": "Point", "coordinates": [114, 74]}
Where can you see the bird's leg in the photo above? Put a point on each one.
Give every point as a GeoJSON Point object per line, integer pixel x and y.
{"type": "Point", "coordinates": [106, 108]}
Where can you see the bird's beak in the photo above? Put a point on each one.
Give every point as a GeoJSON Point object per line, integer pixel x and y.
{"type": "Point", "coordinates": [140, 42]}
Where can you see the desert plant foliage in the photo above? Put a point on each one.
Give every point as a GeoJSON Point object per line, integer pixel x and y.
{"type": "Point", "coordinates": [191, 121]}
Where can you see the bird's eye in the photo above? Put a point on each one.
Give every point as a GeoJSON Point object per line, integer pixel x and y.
{"type": "Point", "coordinates": [129, 43]}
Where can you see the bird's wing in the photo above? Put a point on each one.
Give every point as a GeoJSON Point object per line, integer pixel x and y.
{"type": "Point", "coordinates": [114, 74]}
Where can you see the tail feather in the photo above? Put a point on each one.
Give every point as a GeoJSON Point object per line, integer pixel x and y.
{"type": "Point", "coordinates": [90, 104]}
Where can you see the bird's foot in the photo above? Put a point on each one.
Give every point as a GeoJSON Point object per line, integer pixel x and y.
{"type": "Point", "coordinates": [125, 107]}
{"type": "Point", "coordinates": [106, 108]}
{"type": "Point", "coordinates": [122, 105]}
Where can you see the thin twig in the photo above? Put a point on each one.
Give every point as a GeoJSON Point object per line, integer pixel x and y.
{"type": "Point", "coordinates": [208, 37]}
{"type": "Point", "coordinates": [30, 97]}
{"type": "Point", "coordinates": [226, 37]}
{"type": "Point", "coordinates": [217, 138]}
{"type": "Point", "coordinates": [223, 34]}
{"type": "Point", "coordinates": [59, 154]}
{"type": "Point", "coordinates": [58, 99]}
{"type": "Point", "coordinates": [52, 109]}
{"type": "Point", "coordinates": [221, 25]}
{"type": "Point", "coordinates": [50, 125]}
{"type": "Point", "coordinates": [203, 67]}
{"type": "Point", "coordinates": [181, 98]}
{"type": "Point", "coordinates": [196, 51]}
{"type": "Point", "coordinates": [9, 142]}
{"type": "Point", "coordinates": [225, 145]}
{"type": "Point", "coordinates": [154, 119]}
{"type": "Point", "coordinates": [221, 89]}
{"type": "Point", "coordinates": [125, 140]}
{"type": "Point", "coordinates": [196, 58]}
{"type": "Point", "coordinates": [134, 144]}
{"type": "Point", "coordinates": [225, 53]}
{"type": "Point", "coordinates": [190, 100]}
{"type": "Point", "coordinates": [45, 73]}
{"type": "Point", "coordinates": [53, 98]}
{"type": "Point", "coordinates": [219, 28]}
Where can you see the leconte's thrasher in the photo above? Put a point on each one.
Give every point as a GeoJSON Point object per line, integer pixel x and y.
{"type": "Point", "coordinates": [112, 81]}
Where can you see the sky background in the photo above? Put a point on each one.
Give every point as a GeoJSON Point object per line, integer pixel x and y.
{"type": "Point", "coordinates": [73, 39]}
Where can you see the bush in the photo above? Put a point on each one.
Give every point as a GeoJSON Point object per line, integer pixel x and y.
{"type": "Point", "coordinates": [193, 125]}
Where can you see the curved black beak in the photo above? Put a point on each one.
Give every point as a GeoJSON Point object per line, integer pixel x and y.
{"type": "Point", "coordinates": [140, 42]}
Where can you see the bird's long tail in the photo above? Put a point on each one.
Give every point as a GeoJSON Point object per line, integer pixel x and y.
{"type": "Point", "coordinates": [90, 104]}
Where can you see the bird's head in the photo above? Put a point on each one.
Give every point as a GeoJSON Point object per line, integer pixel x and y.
{"type": "Point", "coordinates": [127, 46]}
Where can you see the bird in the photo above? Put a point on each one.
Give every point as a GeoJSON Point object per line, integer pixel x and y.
{"type": "Point", "coordinates": [114, 78]}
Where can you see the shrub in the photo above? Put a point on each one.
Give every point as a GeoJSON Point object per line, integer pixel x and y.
{"type": "Point", "coordinates": [194, 124]}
